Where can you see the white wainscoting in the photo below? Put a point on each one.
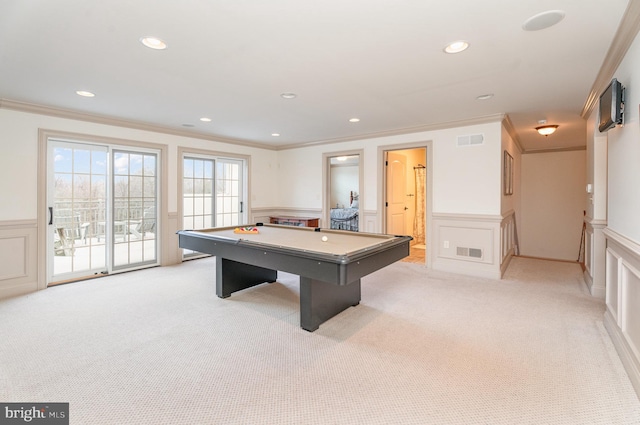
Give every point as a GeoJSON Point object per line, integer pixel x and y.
{"type": "Point", "coordinates": [369, 221]}
{"type": "Point", "coordinates": [18, 257]}
{"type": "Point", "coordinates": [594, 256]}
{"type": "Point", "coordinates": [622, 317]}
{"type": "Point", "coordinates": [468, 244]}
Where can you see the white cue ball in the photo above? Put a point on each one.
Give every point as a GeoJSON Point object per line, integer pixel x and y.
{"type": "Point", "coordinates": [324, 239]}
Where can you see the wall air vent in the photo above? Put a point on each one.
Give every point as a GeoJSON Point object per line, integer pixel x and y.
{"type": "Point", "coordinates": [468, 252]}
{"type": "Point", "coordinates": [471, 139]}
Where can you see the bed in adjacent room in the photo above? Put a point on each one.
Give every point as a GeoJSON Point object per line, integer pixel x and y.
{"type": "Point", "coordinates": [346, 218]}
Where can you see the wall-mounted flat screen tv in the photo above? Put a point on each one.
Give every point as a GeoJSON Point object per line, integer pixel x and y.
{"type": "Point", "coordinates": [611, 106]}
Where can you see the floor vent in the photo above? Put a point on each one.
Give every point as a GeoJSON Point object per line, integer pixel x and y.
{"type": "Point", "coordinates": [469, 252]}
{"type": "Point", "coordinates": [471, 139]}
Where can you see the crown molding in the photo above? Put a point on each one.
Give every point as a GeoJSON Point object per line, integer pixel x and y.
{"type": "Point", "coordinates": [508, 125]}
{"type": "Point", "coordinates": [118, 122]}
{"type": "Point", "coordinates": [626, 34]}
{"type": "Point", "coordinates": [99, 119]}
{"type": "Point", "coordinates": [397, 132]}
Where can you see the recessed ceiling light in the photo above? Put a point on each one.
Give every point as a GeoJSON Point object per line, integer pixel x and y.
{"type": "Point", "coordinates": [456, 46]}
{"type": "Point", "coordinates": [354, 120]}
{"type": "Point", "coordinates": [288, 95]}
{"type": "Point", "coordinates": [205, 119]}
{"type": "Point", "coordinates": [275, 134]}
{"type": "Point", "coordinates": [485, 96]}
{"type": "Point", "coordinates": [85, 93]}
{"type": "Point", "coordinates": [543, 20]}
{"type": "Point", "coordinates": [153, 43]}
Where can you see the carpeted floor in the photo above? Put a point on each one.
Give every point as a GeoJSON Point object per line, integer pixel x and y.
{"type": "Point", "coordinates": [423, 347]}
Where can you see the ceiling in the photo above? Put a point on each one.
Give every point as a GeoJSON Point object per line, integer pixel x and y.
{"type": "Point", "coordinates": [381, 61]}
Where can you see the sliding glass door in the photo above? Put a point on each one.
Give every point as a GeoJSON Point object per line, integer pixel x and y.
{"type": "Point", "coordinates": [77, 198]}
{"type": "Point", "coordinates": [102, 204]}
{"type": "Point", "coordinates": [212, 193]}
{"type": "Point", "coordinates": [135, 198]}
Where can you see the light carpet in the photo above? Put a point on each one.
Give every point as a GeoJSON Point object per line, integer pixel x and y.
{"type": "Point", "coordinates": [423, 347]}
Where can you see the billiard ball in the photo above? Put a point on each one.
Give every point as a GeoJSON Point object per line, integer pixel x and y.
{"type": "Point", "coordinates": [324, 239]}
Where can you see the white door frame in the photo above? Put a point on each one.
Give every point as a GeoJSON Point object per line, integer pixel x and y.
{"type": "Point", "coordinates": [326, 185]}
{"type": "Point", "coordinates": [382, 184]}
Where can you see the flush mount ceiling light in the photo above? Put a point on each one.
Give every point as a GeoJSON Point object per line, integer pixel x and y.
{"type": "Point", "coordinates": [205, 119]}
{"type": "Point", "coordinates": [85, 93]}
{"type": "Point", "coordinates": [153, 43]}
{"type": "Point", "coordinates": [456, 47]}
{"type": "Point", "coordinates": [543, 20]}
{"type": "Point", "coordinates": [354, 120]}
{"type": "Point", "coordinates": [275, 134]}
{"type": "Point", "coordinates": [288, 95]}
{"type": "Point", "coordinates": [546, 130]}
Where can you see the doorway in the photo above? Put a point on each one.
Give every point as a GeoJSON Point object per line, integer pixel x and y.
{"type": "Point", "coordinates": [342, 190]}
{"type": "Point", "coordinates": [405, 195]}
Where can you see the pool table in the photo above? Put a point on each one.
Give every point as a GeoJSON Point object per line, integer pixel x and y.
{"type": "Point", "coordinates": [329, 271]}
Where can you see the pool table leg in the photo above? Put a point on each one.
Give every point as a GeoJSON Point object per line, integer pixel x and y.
{"type": "Point", "coordinates": [232, 276]}
{"type": "Point", "coordinates": [320, 301]}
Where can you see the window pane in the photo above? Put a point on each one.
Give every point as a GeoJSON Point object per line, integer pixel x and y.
{"type": "Point", "coordinates": [149, 187]}
{"type": "Point", "coordinates": [135, 164]}
{"type": "Point", "coordinates": [120, 163]}
{"type": "Point", "coordinates": [135, 186]}
{"type": "Point", "coordinates": [149, 165]}
{"type": "Point", "coordinates": [187, 168]}
{"type": "Point", "coordinates": [81, 161]}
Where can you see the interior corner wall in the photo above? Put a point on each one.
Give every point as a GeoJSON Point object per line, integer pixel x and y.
{"type": "Point", "coordinates": [552, 203]}
{"type": "Point", "coordinates": [511, 202]}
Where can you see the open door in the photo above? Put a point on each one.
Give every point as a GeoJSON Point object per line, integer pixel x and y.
{"type": "Point", "coordinates": [396, 190]}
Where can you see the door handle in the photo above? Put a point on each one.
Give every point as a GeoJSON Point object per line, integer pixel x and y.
{"type": "Point", "coordinates": [50, 216]}
{"type": "Point", "coordinates": [241, 206]}
{"type": "Point", "coordinates": [406, 208]}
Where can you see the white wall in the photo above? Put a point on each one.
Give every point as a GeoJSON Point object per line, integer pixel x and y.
{"type": "Point", "coordinates": [464, 190]}
{"type": "Point", "coordinates": [19, 159]}
{"type": "Point", "coordinates": [465, 179]}
{"type": "Point", "coordinates": [553, 193]}
{"type": "Point", "coordinates": [624, 153]}
{"type": "Point", "coordinates": [344, 180]}
{"type": "Point", "coordinates": [622, 232]}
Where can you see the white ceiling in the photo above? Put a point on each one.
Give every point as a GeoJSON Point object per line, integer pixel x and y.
{"type": "Point", "coordinates": [379, 60]}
